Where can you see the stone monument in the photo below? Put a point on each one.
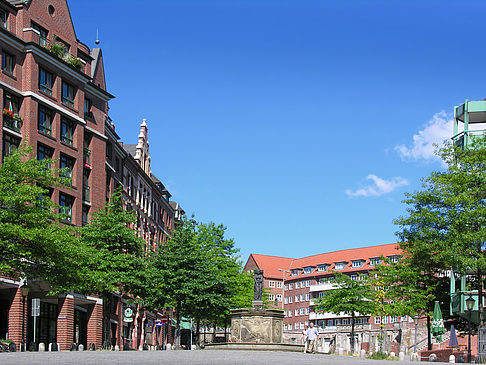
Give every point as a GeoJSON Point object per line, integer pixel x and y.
{"type": "Point", "coordinates": [257, 324]}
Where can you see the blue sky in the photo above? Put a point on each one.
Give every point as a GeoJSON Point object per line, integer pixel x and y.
{"type": "Point", "coordinates": [298, 124]}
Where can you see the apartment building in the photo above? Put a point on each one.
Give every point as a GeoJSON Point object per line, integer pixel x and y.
{"type": "Point", "coordinates": [54, 98]}
{"type": "Point", "coordinates": [299, 281]}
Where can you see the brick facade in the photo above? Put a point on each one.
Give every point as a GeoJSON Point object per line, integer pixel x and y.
{"type": "Point", "coordinates": [64, 108]}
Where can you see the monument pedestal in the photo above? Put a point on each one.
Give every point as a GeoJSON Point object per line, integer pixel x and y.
{"type": "Point", "coordinates": [256, 325]}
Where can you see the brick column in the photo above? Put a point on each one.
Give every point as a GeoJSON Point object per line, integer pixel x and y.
{"type": "Point", "coordinates": [95, 324]}
{"type": "Point", "coordinates": [15, 319]}
{"type": "Point", "coordinates": [65, 322]}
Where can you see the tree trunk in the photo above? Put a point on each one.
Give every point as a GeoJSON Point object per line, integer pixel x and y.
{"type": "Point", "coordinates": [177, 339]}
{"type": "Point", "coordinates": [225, 327]}
{"type": "Point", "coordinates": [198, 331]}
{"type": "Point", "coordinates": [352, 332]}
{"type": "Point", "coordinates": [480, 297]}
{"type": "Point", "coordinates": [429, 335]}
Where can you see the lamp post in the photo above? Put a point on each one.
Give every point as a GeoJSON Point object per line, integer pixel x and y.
{"type": "Point", "coordinates": [283, 284]}
{"type": "Point", "coordinates": [470, 305]}
{"type": "Point", "coordinates": [24, 290]}
{"type": "Point", "coordinates": [415, 322]}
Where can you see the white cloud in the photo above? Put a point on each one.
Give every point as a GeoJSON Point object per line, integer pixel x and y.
{"type": "Point", "coordinates": [379, 187]}
{"type": "Point", "coordinates": [436, 130]}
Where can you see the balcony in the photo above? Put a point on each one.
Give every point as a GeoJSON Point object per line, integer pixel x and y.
{"type": "Point", "coordinates": [86, 192]}
{"type": "Point", "coordinates": [12, 121]}
{"type": "Point", "coordinates": [468, 114]}
{"type": "Point", "coordinates": [322, 287]}
{"type": "Point", "coordinates": [60, 50]}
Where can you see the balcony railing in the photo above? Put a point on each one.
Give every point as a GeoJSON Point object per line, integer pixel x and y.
{"type": "Point", "coordinates": [12, 121]}
{"type": "Point", "coordinates": [86, 192]}
{"type": "Point", "coordinates": [322, 287]}
{"type": "Point", "coordinates": [466, 138]}
{"type": "Point", "coordinates": [59, 50]}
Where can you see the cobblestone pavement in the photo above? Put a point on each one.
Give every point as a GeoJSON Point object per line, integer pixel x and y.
{"type": "Point", "coordinates": [180, 357]}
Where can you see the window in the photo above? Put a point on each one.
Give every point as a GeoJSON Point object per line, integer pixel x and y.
{"type": "Point", "coordinates": [11, 102]}
{"type": "Point", "coordinates": [67, 131]}
{"type": "Point", "coordinates": [330, 322]}
{"type": "Point", "coordinates": [302, 311]}
{"type": "Point", "coordinates": [307, 310]}
{"type": "Point", "coordinates": [286, 286]}
{"type": "Point", "coordinates": [339, 265]}
{"type": "Point", "coordinates": [307, 283]}
{"type": "Point", "coordinates": [64, 44]}
{"type": "Point", "coordinates": [271, 284]}
{"type": "Point", "coordinates": [3, 18]}
{"type": "Point", "coordinates": [393, 259]}
{"type": "Point", "coordinates": [308, 269]}
{"type": "Point", "coordinates": [295, 272]}
{"type": "Point", "coordinates": [109, 151]}
{"type": "Point", "coordinates": [291, 286]}
{"type": "Point", "coordinates": [322, 268]}
{"type": "Point", "coordinates": [66, 206]}
{"type": "Point", "coordinates": [291, 299]}
{"type": "Point", "coordinates": [46, 81]}
{"type": "Point", "coordinates": [296, 326]}
{"type": "Point", "coordinates": [87, 107]}
{"type": "Point", "coordinates": [286, 300]}
{"type": "Point", "coordinates": [354, 277]}
{"type": "Point", "coordinates": [296, 312]}
{"type": "Point", "coordinates": [297, 285]}
{"type": "Point", "coordinates": [68, 93]}
{"type": "Point", "coordinates": [279, 284]}
{"type": "Point", "coordinates": [86, 190]}
{"type": "Point", "coordinates": [279, 297]}
{"type": "Point", "coordinates": [271, 297]}
{"type": "Point", "coordinates": [302, 297]}
{"type": "Point", "coordinates": [44, 122]}
{"type": "Point", "coordinates": [42, 34]}
{"type": "Point", "coordinates": [8, 63]}
{"type": "Point", "coordinates": [44, 152]}
{"type": "Point", "coordinates": [357, 263]}
{"type": "Point", "coordinates": [375, 261]}
{"type": "Point", "coordinates": [67, 164]}
{"type": "Point", "coordinates": [321, 294]}
{"type": "Point", "coordinates": [377, 320]}
{"type": "Point", "coordinates": [345, 321]}
{"type": "Point", "coordinates": [307, 297]}
{"type": "Point", "coordinates": [297, 298]}
{"type": "Point", "coordinates": [84, 217]}
{"type": "Point", "coordinates": [289, 313]}
{"type": "Point", "coordinates": [301, 325]}
{"type": "Point", "coordinates": [10, 144]}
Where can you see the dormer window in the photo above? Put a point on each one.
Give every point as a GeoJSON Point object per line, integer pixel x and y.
{"type": "Point", "coordinates": [375, 261]}
{"type": "Point", "coordinates": [295, 272]}
{"type": "Point", "coordinates": [308, 269]}
{"type": "Point", "coordinates": [357, 263]}
{"type": "Point", "coordinates": [322, 267]}
{"type": "Point", "coordinates": [339, 265]}
{"type": "Point", "coordinates": [393, 258]}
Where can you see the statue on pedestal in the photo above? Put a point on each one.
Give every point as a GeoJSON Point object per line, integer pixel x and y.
{"type": "Point", "coordinates": [258, 284]}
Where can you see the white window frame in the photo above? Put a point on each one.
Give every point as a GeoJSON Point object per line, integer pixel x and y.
{"type": "Point", "coordinates": [271, 284]}
{"type": "Point", "coordinates": [291, 286]}
{"type": "Point", "coordinates": [296, 312]}
{"type": "Point", "coordinates": [291, 299]}
{"type": "Point", "coordinates": [279, 284]}
{"type": "Point", "coordinates": [279, 297]}
{"type": "Point", "coordinates": [271, 297]}
{"type": "Point", "coordinates": [297, 298]}
{"type": "Point", "coordinates": [357, 263]}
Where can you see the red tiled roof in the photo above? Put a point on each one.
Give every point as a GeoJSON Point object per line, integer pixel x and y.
{"type": "Point", "coordinates": [271, 264]}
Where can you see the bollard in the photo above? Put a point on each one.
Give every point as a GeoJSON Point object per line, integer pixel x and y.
{"type": "Point", "coordinates": [91, 347]}
{"type": "Point", "coordinates": [193, 347]}
{"type": "Point", "coordinates": [81, 347]}
{"type": "Point", "coordinates": [126, 347]}
{"type": "Point", "coordinates": [73, 347]}
{"type": "Point", "coordinates": [116, 348]}
{"type": "Point", "coordinates": [433, 358]}
{"type": "Point", "coordinates": [414, 357]}
{"type": "Point", "coordinates": [341, 351]}
{"type": "Point", "coordinates": [452, 359]}
{"type": "Point", "coordinates": [392, 354]}
{"type": "Point", "coordinates": [362, 354]}
{"type": "Point", "coordinates": [169, 346]}
{"type": "Point", "coordinates": [401, 356]}
{"type": "Point", "coordinates": [42, 347]}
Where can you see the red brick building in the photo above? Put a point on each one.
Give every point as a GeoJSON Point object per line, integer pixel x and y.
{"type": "Point", "coordinates": [54, 97]}
{"type": "Point", "coordinates": [294, 284]}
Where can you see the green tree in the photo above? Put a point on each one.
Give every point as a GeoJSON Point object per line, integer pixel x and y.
{"type": "Point", "coordinates": [445, 225]}
{"type": "Point", "coordinates": [198, 274]}
{"type": "Point", "coordinates": [349, 296]}
{"type": "Point", "coordinates": [117, 261]}
{"type": "Point", "coordinates": [33, 245]}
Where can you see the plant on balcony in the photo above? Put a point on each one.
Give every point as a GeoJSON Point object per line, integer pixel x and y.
{"type": "Point", "coordinates": [14, 119]}
{"type": "Point", "coordinates": [56, 48]}
{"type": "Point", "coordinates": [73, 61]}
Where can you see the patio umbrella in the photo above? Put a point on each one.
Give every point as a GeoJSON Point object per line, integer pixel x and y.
{"type": "Point", "coordinates": [453, 340]}
{"type": "Point", "coordinates": [437, 323]}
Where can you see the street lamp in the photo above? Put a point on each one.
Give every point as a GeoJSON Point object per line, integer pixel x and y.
{"type": "Point", "coordinates": [24, 290]}
{"type": "Point", "coordinates": [469, 305]}
{"type": "Point", "coordinates": [415, 322]}
{"type": "Point", "coordinates": [283, 284]}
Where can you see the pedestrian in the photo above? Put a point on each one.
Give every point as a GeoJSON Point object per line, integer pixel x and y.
{"type": "Point", "coordinates": [312, 338]}
{"type": "Point", "coordinates": [304, 337]}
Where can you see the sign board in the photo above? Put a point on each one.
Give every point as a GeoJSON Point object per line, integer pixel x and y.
{"type": "Point", "coordinates": [163, 319]}
{"type": "Point", "coordinates": [158, 324]}
{"type": "Point", "coordinates": [35, 307]}
{"type": "Point", "coordinates": [128, 315]}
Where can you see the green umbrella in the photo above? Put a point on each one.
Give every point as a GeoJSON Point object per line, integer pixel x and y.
{"type": "Point", "coordinates": [437, 323]}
